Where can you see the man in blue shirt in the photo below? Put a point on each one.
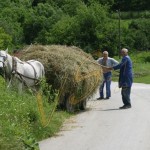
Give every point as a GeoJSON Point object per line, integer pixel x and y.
{"type": "Point", "coordinates": [125, 78]}
{"type": "Point", "coordinates": [105, 62]}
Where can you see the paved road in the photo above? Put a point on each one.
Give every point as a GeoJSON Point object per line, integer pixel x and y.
{"type": "Point", "coordinates": [104, 127]}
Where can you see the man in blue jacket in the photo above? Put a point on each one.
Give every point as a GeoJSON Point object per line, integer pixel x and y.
{"type": "Point", "coordinates": [125, 78]}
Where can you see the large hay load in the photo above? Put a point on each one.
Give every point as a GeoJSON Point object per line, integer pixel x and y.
{"type": "Point", "coordinates": [75, 73]}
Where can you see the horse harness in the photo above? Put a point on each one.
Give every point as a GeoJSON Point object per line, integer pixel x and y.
{"type": "Point", "coordinates": [14, 71]}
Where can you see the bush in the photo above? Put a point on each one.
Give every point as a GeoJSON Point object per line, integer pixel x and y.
{"type": "Point", "coordinates": [147, 59]}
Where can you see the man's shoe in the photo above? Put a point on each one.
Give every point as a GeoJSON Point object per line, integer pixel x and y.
{"type": "Point", "coordinates": [106, 98]}
{"type": "Point", "coordinates": [128, 106]}
{"type": "Point", "coordinates": [100, 98]}
{"type": "Point", "coordinates": [125, 107]}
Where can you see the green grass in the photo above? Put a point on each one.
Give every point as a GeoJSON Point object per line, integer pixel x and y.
{"type": "Point", "coordinates": [141, 72]}
{"type": "Point", "coordinates": [139, 77]}
{"type": "Point", "coordinates": [141, 67]}
{"type": "Point", "coordinates": [144, 79]}
{"type": "Point", "coordinates": [20, 120]}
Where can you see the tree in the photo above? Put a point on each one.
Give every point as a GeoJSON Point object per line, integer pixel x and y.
{"type": "Point", "coordinates": [39, 21]}
{"type": "Point", "coordinates": [5, 39]}
{"type": "Point", "coordinates": [131, 5]}
{"type": "Point", "coordinates": [140, 32]}
{"type": "Point", "coordinates": [9, 21]}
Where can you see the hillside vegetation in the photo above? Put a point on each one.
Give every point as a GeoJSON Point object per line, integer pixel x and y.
{"type": "Point", "coordinates": [88, 24]}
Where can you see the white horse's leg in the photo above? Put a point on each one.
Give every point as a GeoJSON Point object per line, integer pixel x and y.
{"type": "Point", "coordinates": [20, 87]}
{"type": "Point", "coordinates": [9, 83]}
{"type": "Point", "coordinates": [17, 84]}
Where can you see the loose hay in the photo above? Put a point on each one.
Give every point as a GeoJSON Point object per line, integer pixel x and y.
{"type": "Point", "coordinates": [82, 72]}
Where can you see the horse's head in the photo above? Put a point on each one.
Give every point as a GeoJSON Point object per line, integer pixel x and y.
{"type": "Point", "coordinates": [3, 58]}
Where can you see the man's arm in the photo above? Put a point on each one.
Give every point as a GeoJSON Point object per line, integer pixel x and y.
{"type": "Point", "coordinates": [118, 66]}
{"type": "Point", "coordinates": [122, 63]}
{"type": "Point", "coordinates": [114, 62]}
{"type": "Point", "coordinates": [99, 61]}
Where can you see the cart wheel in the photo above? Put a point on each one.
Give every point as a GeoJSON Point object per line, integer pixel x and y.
{"type": "Point", "coordinates": [83, 105]}
{"type": "Point", "coordinates": [70, 107]}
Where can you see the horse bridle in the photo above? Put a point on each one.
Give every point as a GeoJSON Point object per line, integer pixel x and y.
{"type": "Point", "coordinates": [3, 61]}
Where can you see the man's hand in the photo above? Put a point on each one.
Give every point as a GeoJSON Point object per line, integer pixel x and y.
{"type": "Point", "coordinates": [106, 69]}
{"type": "Point", "coordinates": [110, 68]}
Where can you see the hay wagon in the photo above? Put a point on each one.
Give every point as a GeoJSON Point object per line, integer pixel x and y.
{"type": "Point", "coordinates": [75, 73]}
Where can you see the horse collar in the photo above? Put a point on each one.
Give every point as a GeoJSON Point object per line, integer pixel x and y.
{"type": "Point", "coordinates": [14, 65]}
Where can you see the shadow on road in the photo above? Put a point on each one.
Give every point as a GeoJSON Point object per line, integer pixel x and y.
{"type": "Point", "coordinates": [106, 109]}
{"type": "Point", "coordinates": [110, 109]}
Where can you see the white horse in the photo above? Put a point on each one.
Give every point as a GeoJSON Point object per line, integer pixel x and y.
{"type": "Point", "coordinates": [14, 70]}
